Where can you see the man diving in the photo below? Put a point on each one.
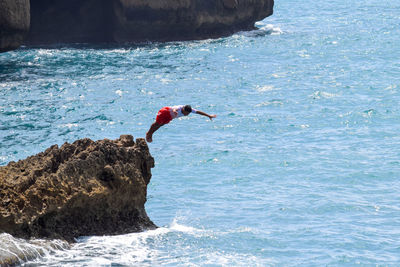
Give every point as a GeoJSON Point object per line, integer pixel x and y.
{"type": "Point", "coordinates": [167, 114]}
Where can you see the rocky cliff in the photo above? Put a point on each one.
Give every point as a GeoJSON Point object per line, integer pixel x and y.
{"type": "Point", "coordinates": [119, 21]}
{"type": "Point", "coordinates": [14, 23]}
{"type": "Point", "coordinates": [83, 188]}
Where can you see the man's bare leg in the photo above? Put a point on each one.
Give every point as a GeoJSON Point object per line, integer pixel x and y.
{"type": "Point", "coordinates": [149, 135]}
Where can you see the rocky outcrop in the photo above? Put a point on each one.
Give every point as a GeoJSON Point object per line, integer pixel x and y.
{"type": "Point", "coordinates": [14, 23]}
{"type": "Point", "coordinates": [124, 21]}
{"type": "Point", "coordinates": [120, 21]}
{"type": "Point", "coordinates": [185, 19]}
{"type": "Point", "coordinates": [83, 188]}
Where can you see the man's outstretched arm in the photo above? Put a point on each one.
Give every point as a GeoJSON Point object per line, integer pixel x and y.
{"type": "Point", "coordinates": [205, 114]}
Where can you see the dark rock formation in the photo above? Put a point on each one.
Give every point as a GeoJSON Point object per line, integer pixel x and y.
{"type": "Point", "coordinates": [119, 21]}
{"type": "Point", "coordinates": [83, 188]}
{"type": "Point", "coordinates": [185, 19]}
{"type": "Point", "coordinates": [14, 23]}
{"type": "Point", "coordinates": [70, 21]}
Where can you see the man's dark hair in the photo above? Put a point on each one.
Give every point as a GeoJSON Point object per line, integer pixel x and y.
{"type": "Point", "coordinates": [187, 108]}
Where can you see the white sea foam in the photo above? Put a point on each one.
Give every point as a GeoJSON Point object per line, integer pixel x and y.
{"type": "Point", "coordinates": [16, 250]}
{"type": "Point", "coordinates": [271, 29]}
{"type": "Point", "coordinates": [126, 249]}
{"type": "Point", "coordinates": [145, 248]}
{"type": "Point", "coordinates": [119, 92]}
{"type": "Point", "coordinates": [45, 52]}
{"type": "Point", "coordinates": [265, 88]}
{"type": "Point", "coordinates": [262, 30]}
{"type": "Point", "coordinates": [69, 125]}
{"type": "Point", "coordinates": [182, 228]}
{"type": "Point", "coordinates": [117, 51]}
{"type": "Point", "coordinates": [177, 227]}
{"type": "Point", "coordinates": [321, 94]}
{"type": "Point", "coordinates": [270, 103]}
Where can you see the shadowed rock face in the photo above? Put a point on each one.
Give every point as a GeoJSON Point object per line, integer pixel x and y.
{"type": "Point", "coordinates": [83, 188]}
{"type": "Point", "coordinates": [14, 23]}
{"type": "Point", "coordinates": [185, 19]}
{"type": "Point", "coordinates": [119, 21]}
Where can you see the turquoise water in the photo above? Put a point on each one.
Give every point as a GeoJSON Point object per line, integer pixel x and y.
{"type": "Point", "coordinates": [300, 168]}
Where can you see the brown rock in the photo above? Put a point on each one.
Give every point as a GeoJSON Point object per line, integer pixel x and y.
{"type": "Point", "coordinates": [83, 188]}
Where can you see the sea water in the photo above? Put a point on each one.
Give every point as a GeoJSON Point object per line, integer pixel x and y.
{"type": "Point", "coordinates": [300, 167]}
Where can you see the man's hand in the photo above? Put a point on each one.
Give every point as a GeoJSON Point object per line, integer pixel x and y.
{"type": "Point", "coordinates": [212, 116]}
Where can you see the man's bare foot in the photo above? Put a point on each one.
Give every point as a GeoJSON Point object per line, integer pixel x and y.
{"type": "Point", "coordinates": [149, 138]}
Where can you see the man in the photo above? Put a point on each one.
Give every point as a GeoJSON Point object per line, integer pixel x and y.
{"type": "Point", "coordinates": [167, 114]}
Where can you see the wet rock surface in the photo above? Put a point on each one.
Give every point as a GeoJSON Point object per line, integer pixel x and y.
{"type": "Point", "coordinates": [83, 188]}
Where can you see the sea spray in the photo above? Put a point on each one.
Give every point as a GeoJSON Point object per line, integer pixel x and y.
{"type": "Point", "coordinates": [16, 250]}
{"type": "Point", "coordinates": [171, 245]}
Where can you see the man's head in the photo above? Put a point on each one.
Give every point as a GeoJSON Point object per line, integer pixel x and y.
{"type": "Point", "coordinates": [187, 110]}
